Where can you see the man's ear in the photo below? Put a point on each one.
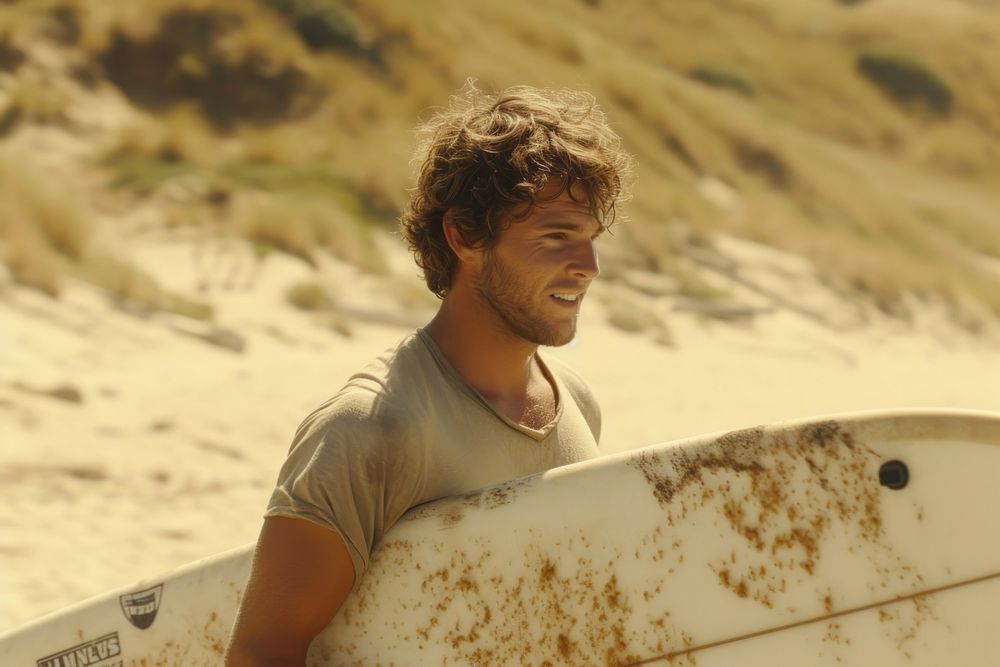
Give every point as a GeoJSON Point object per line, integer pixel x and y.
{"type": "Point", "coordinates": [462, 250]}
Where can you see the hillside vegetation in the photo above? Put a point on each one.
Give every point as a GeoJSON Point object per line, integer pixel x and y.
{"type": "Point", "coordinates": [864, 136]}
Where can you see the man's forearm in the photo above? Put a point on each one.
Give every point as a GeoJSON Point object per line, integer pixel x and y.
{"type": "Point", "coordinates": [241, 655]}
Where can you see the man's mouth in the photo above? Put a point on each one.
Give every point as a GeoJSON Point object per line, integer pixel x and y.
{"type": "Point", "coordinates": [568, 300]}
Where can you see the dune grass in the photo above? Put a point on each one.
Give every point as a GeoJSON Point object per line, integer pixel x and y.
{"type": "Point", "coordinates": [48, 234]}
{"type": "Point", "coordinates": [787, 103]}
{"type": "Point", "coordinates": [906, 79]}
{"type": "Point", "coordinates": [43, 228]}
{"type": "Point", "coordinates": [300, 209]}
{"type": "Point", "coordinates": [308, 295]}
{"type": "Point", "coordinates": [127, 284]}
{"type": "Point", "coordinates": [313, 297]}
{"type": "Point", "coordinates": [32, 100]}
{"type": "Point", "coordinates": [303, 227]}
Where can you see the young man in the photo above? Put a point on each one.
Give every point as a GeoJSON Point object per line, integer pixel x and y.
{"type": "Point", "coordinates": [513, 192]}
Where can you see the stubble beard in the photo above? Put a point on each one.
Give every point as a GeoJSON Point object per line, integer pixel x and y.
{"type": "Point", "coordinates": [510, 300]}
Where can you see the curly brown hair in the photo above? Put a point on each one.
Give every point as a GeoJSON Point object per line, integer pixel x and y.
{"type": "Point", "coordinates": [488, 155]}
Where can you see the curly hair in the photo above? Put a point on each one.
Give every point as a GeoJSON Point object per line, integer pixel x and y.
{"type": "Point", "coordinates": [487, 156]}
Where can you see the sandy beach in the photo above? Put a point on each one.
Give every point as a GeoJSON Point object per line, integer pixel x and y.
{"type": "Point", "coordinates": [134, 442]}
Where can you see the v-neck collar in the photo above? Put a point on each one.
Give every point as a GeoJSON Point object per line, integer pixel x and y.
{"type": "Point", "coordinates": [472, 392]}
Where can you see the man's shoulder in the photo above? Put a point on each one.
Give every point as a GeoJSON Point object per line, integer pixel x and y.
{"type": "Point", "coordinates": [381, 395]}
{"type": "Point", "coordinates": [398, 376]}
{"type": "Point", "coordinates": [358, 415]}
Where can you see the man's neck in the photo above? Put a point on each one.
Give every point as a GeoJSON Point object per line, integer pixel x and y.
{"type": "Point", "coordinates": [498, 364]}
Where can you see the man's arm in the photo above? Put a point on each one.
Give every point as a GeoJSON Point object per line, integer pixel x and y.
{"type": "Point", "coordinates": [300, 576]}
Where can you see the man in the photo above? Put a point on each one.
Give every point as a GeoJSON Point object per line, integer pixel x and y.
{"type": "Point", "coordinates": [513, 192]}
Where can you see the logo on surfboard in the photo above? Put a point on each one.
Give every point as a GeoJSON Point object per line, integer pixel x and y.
{"type": "Point", "coordinates": [140, 607]}
{"type": "Point", "coordinates": [95, 652]}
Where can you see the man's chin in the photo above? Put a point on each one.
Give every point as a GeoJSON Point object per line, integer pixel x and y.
{"type": "Point", "coordinates": [561, 339]}
{"type": "Point", "coordinates": [550, 334]}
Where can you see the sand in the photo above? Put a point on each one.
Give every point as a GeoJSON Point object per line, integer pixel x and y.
{"type": "Point", "coordinates": [134, 442]}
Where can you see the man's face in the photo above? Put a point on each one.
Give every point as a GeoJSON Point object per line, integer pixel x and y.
{"type": "Point", "coordinates": [535, 277]}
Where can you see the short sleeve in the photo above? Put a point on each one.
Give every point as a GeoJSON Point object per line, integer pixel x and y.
{"type": "Point", "coordinates": [354, 468]}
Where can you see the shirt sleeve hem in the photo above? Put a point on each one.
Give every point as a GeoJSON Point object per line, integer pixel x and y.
{"type": "Point", "coordinates": [358, 560]}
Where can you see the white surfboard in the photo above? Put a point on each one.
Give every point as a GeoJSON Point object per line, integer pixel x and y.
{"type": "Point", "coordinates": [862, 539]}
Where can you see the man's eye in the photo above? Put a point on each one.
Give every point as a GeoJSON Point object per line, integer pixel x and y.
{"type": "Point", "coordinates": [558, 236]}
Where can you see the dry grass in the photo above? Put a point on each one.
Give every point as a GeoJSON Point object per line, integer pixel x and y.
{"type": "Point", "coordinates": [627, 311]}
{"type": "Point", "coordinates": [33, 100]}
{"type": "Point", "coordinates": [99, 22]}
{"type": "Point", "coordinates": [303, 226]}
{"type": "Point", "coordinates": [308, 295]}
{"type": "Point", "coordinates": [129, 285]}
{"type": "Point", "coordinates": [280, 144]}
{"type": "Point", "coordinates": [313, 297]}
{"type": "Point", "coordinates": [268, 182]}
{"type": "Point", "coordinates": [885, 200]}
{"type": "Point", "coordinates": [47, 233]}
{"type": "Point", "coordinates": [410, 293]}
{"type": "Point", "coordinates": [32, 265]}
{"type": "Point", "coordinates": [44, 226]}
{"type": "Point", "coordinates": [180, 136]}
{"type": "Point", "coordinates": [804, 189]}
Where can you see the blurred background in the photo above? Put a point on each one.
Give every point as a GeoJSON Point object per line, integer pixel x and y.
{"type": "Point", "coordinates": [198, 209]}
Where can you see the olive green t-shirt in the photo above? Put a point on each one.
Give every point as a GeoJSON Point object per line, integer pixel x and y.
{"type": "Point", "coordinates": [409, 429]}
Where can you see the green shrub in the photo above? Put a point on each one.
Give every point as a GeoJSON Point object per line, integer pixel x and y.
{"type": "Point", "coordinates": [11, 56]}
{"type": "Point", "coordinates": [308, 296]}
{"type": "Point", "coordinates": [231, 70]}
{"type": "Point", "coordinates": [322, 24]}
{"type": "Point", "coordinates": [906, 79]}
{"type": "Point", "coordinates": [722, 77]}
{"type": "Point", "coordinates": [762, 160]}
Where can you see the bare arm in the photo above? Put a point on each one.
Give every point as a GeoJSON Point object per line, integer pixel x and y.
{"type": "Point", "coordinates": [300, 576]}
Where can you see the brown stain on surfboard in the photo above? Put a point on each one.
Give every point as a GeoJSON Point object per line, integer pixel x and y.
{"type": "Point", "coordinates": [520, 618]}
{"type": "Point", "coordinates": [783, 494]}
{"type": "Point", "coordinates": [451, 511]}
{"type": "Point", "coordinates": [783, 510]}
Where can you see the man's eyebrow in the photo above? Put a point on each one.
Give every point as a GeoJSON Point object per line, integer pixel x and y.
{"type": "Point", "coordinates": [560, 223]}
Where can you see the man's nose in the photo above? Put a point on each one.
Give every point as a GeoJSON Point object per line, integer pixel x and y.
{"type": "Point", "coordinates": [585, 262]}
